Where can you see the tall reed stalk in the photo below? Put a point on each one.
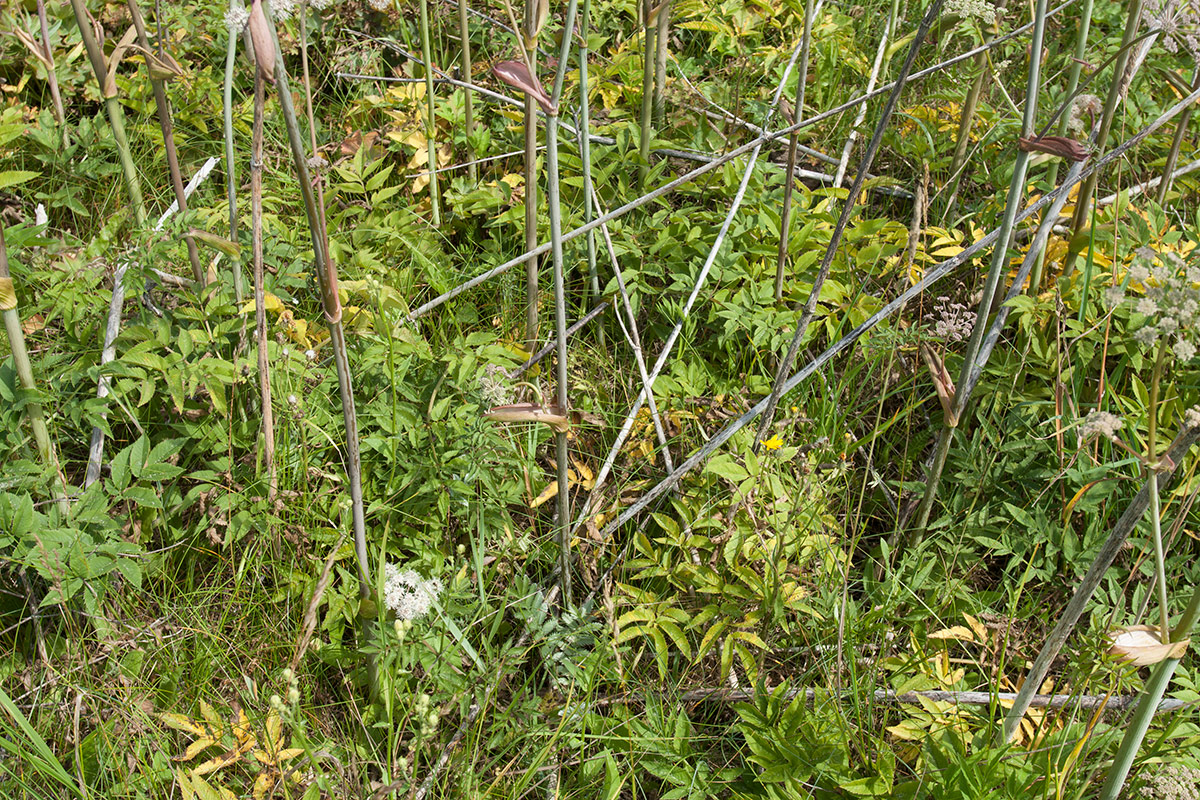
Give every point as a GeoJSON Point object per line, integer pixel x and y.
{"type": "Point", "coordinates": [464, 44]}
{"type": "Point", "coordinates": [227, 126]}
{"type": "Point", "coordinates": [1133, 21]}
{"type": "Point", "coordinates": [966, 121]}
{"type": "Point", "coordinates": [260, 307]}
{"type": "Point", "coordinates": [785, 216]}
{"type": "Point", "coordinates": [649, 32]}
{"type": "Point", "coordinates": [430, 116]}
{"type": "Point", "coordinates": [327, 280]}
{"type": "Point", "coordinates": [560, 303]}
{"type": "Point", "coordinates": [585, 157]}
{"type": "Point", "coordinates": [529, 42]}
{"type": "Point", "coordinates": [164, 122]}
{"type": "Point", "coordinates": [112, 106]}
{"type": "Point", "coordinates": [1152, 694]}
{"type": "Point", "coordinates": [1081, 37]}
{"type": "Point", "coordinates": [47, 57]}
{"type": "Point", "coordinates": [999, 266]}
{"type": "Point", "coordinates": [16, 344]}
{"type": "Point", "coordinates": [662, 50]}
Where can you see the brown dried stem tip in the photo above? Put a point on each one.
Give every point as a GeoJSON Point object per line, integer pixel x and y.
{"type": "Point", "coordinates": [516, 74]}
{"type": "Point", "coordinates": [264, 46]}
{"type": "Point", "coordinates": [1061, 146]}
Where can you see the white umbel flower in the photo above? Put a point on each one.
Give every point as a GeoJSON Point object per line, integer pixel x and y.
{"type": "Point", "coordinates": [408, 594]}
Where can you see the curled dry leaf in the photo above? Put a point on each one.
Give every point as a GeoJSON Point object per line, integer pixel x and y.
{"type": "Point", "coordinates": [517, 75]}
{"type": "Point", "coordinates": [1061, 146]}
{"type": "Point", "coordinates": [264, 46]}
{"type": "Point", "coordinates": [550, 415]}
{"type": "Point", "coordinates": [1142, 646]}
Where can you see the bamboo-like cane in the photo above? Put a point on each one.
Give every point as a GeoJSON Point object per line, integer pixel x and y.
{"type": "Point", "coordinates": [327, 281]}
{"type": "Point", "coordinates": [164, 121]}
{"type": "Point", "coordinates": [16, 343]}
{"type": "Point", "coordinates": [715, 163]}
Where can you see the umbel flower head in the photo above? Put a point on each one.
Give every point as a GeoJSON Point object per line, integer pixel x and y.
{"type": "Point", "coordinates": [1171, 303]}
{"type": "Point", "coordinates": [408, 594]}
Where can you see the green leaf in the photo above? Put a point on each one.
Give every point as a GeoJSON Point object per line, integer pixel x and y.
{"type": "Point", "coordinates": [13, 177]}
{"type": "Point", "coordinates": [724, 466]}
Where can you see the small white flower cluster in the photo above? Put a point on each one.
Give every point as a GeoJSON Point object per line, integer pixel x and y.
{"type": "Point", "coordinates": [321, 5]}
{"type": "Point", "coordinates": [953, 321]}
{"type": "Point", "coordinates": [282, 9]}
{"type": "Point", "coordinates": [1178, 21]}
{"type": "Point", "coordinates": [1084, 110]}
{"type": "Point", "coordinates": [1171, 304]}
{"type": "Point", "coordinates": [493, 385]}
{"type": "Point", "coordinates": [1191, 417]}
{"type": "Point", "coordinates": [1172, 782]}
{"type": "Point", "coordinates": [1099, 423]}
{"type": "Point", "coordinates": [982, 10]}
{"type": "Point", "coordinates": [236, 17]}
{"type": "Point", "coordinates": [380, 5]}
{"type": "Point", "coordinates": [407, 593]}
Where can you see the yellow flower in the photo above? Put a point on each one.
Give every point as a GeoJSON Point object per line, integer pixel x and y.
{"type": "Point", "coordinates": [774, 443]}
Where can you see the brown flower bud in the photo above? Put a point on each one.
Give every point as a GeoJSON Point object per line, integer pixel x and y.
{"type": "Point", "coordinates": [1061, 146]}
{"type": "Point", "coordinates": [517, 75]}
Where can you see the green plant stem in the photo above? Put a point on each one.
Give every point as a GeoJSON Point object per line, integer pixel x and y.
{"type": "Point", "coordinates": [662, 49]}
{"type": "Point", "coordinates": [327, 280]}
{"type": "Point", "coordinates": [966, 121]}
{"type": "Point", "coordinates": [1160, 568]}
{"type": "Point", "coordinates": [1181, 127]}
{"type": "Point", "coordinates": [464, 42]}
{"type": "Point", "coordinates": [585, 157]}
{"type": "Point", "coordinates": [1152, 694]}
{"type": "Point", "coordinates": [560, 307]}
{"type": "Point", "coordinates": [1067, 620]}
{"type": "Point", "coordinates": [999, 265]}
{"type": "Point", "coordinates": [164, 122]}
{"type": "Point", "coordinates": [260, 307]}
{"type": "Point", "coordinates": [235, 263]}
{"type": "Point", "coordinates": [116, 118]}
{"type": "Point", "coordinates": [51, 74]}
{"type": "Point", "coordinates": [430, 116]}
{"type": "Point", "coordinates": [649, 29]}
{"type": "Point", "coordinates": [1084, 200]}
{"type": "Point", "coordinates": [1081, 36]}
{"type": "Point", "coordinates": [531, 183]}
{"type": "Point", "coordinates": [227, 123]}
{"type": "Point", "coordinates": [785, 216]}
{"type": "Point", "coordinates": [16, 344]}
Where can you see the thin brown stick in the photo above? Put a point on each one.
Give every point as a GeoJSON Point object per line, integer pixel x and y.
{"type": "Point", "coordinates": [260, 306]}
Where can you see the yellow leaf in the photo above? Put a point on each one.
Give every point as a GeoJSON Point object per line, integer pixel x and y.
{"type": "Point", "coordinates": [955, 632]}
{"type": "Point", "coordinates": [195, 748]}
{"type": "Point", "coordinates": [270, 303]}
{"type": "Point", "coordinates": [289, 753]}
{"type": "Point", "coordinates": [908, 729]}
{"type": "Point", "coordinates": [547, 494]}
{"type": "Point", "coordinates": [181, 722]}
{"type": "Point", "coordinates": [212, 718]}
{"type": "Point", "coordinates": [274, 731]}
{"type": "Point", "coordinates": [263, 785]}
